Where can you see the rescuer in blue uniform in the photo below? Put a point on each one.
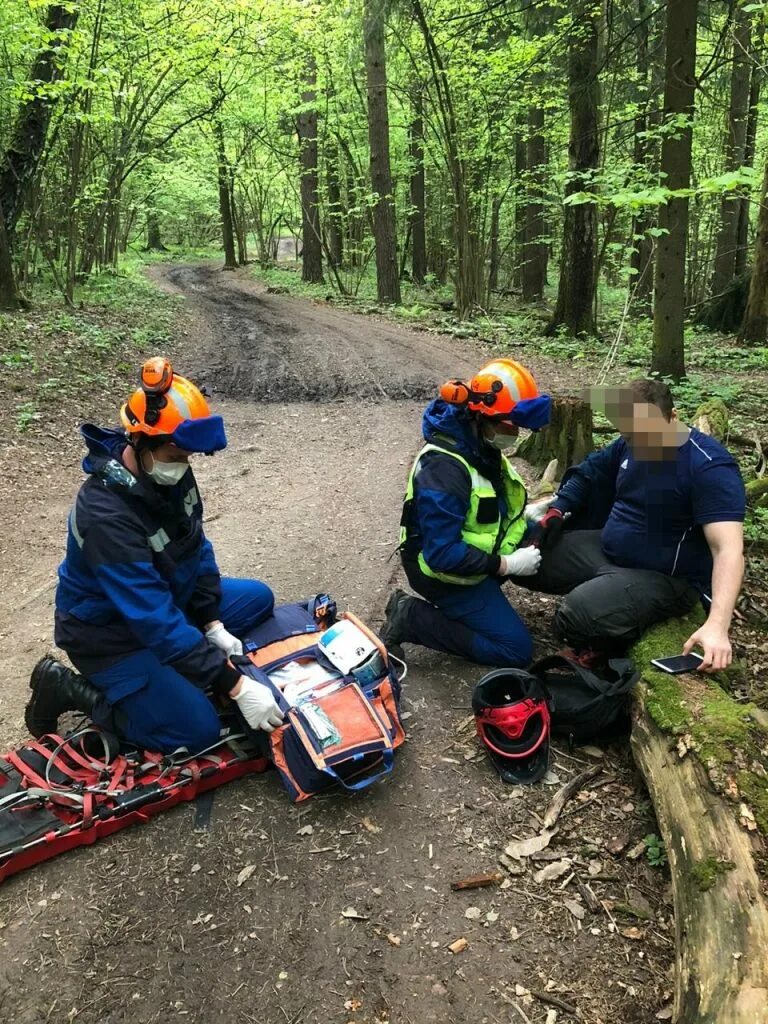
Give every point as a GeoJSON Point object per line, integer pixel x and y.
{"type": "Point", "coordinates": [141, 608]}
{"type": "Point", "coordinates": [463, 531]}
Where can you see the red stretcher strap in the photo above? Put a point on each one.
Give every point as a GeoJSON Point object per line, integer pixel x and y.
{"type": "Point", "coordinates": [29, 774]}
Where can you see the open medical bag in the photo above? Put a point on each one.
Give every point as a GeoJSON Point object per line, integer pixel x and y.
{"type": "Point", "coordinates": [339, 691]}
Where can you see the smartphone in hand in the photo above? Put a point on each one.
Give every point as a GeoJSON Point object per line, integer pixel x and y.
{"type": "Point", "coordinates": [679, 663]}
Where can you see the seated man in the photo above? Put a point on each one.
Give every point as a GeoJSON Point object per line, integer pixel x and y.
{"type": "Point", "coordinates": [141, 609]}
{"type": "Point", "coordinates": [463, 523]}
{"type": "Point", "coordinates": [669, 502]}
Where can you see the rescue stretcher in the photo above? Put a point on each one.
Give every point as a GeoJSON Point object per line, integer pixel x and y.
{"type": "Point", "coordinates": [56, 794]}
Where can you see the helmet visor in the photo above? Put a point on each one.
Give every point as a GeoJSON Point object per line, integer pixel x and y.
{"type": "Point", "coordinates": [205, 435]}
{"type": "Point", "coordinates": [532, 413]}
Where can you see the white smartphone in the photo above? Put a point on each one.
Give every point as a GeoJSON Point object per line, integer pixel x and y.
{"type": "Point", "coordinates": [679, 663]}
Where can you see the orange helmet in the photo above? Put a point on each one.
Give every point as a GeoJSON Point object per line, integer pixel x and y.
{"type": "Point", "coordinates": [502, 390]}
{"type": "Point", "coordinates": [171, 407]}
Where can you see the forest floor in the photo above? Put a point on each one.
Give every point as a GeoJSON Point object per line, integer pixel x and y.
{"type": "Point", "coordinates": [323, 411]}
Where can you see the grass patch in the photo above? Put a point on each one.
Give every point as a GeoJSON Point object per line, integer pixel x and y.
{"type": "Point", "coordinates": [54, 359]}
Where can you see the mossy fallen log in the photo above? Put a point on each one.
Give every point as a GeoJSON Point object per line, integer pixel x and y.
{"type": "Point", "coordinates": [704, 758]}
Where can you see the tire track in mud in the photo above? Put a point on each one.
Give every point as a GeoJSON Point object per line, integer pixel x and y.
{"type": "Point", "coordinates": [275, 348]}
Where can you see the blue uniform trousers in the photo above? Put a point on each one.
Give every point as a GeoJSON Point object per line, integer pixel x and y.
{"type": "Point", "coordinates": [151, 705]}
{"type": "Point", "coordinates": [476, 622]}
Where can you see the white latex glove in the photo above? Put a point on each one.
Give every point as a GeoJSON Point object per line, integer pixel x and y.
{"type": "Point", "coordinates": [523, 562]}
{"type": "Point", "coordinates": [221, 638]}
{"type": "Point", "coordinates": [258, 706]}
{"type": "Point", "coordinates": [536, 510]}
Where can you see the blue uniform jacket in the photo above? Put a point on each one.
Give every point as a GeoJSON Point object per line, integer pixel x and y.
{"type": "Point", "coordinates": [442, 490]}
{"type": "Point", "coordinates": [139, 571]}
{"type": "Point", "coordinates": [652, 513]}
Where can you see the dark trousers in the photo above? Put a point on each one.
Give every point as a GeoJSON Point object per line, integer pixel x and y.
{"type": "Point", "coordinates": [151, 705]}
{"type": "Point", "coordinates": [475, 622]}
{"type": "Point", "coordinates": [604, 605]}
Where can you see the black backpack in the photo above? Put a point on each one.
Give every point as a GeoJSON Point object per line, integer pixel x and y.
{"type": "Point", "coordinates": [585, 705]}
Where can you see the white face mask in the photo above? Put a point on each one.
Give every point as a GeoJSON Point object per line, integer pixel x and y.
{"type": "Point", "coordinates": [166, 474]}
{"type": "Point", "coordinates": [501, 442]}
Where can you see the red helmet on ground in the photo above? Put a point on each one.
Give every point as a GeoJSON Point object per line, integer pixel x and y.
{"type": "Point", "coordinates": [512, 719]}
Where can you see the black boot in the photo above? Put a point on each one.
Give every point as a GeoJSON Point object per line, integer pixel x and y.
{"type": "Point", "coordinates": [56, 689]}
{"type": "Point", "coordinates": [394, 630]}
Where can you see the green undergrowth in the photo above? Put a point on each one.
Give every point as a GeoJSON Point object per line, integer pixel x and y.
{"type": "Point", "coordinates": [136, 257]}
{"type": "Point", "coordinates": [723, 733]}
{"type": "Point", "coordinates": [53, 356]}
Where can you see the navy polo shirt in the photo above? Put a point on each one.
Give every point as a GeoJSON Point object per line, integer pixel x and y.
{"type": "Point", "coordinates": [660, 507]}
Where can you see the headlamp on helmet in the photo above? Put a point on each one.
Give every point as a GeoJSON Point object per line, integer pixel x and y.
{"type": "Point", "coordinates": [168, 407]}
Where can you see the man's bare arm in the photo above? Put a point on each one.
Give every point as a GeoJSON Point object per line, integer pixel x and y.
{"type": "Point", "coordinates": [726, 542]}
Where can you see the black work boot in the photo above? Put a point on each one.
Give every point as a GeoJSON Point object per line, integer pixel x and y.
{"type": "Point", "coordinates": [56, 689]}
{"type": "Point", "coordinates": [393, 632]}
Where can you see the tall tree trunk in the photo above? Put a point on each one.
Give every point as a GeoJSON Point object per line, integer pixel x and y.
{"type": "Point", "coordinates": [77, 152]}
{"type": "Point", "coordinates": [668, 357]}
{"type": "Point", "coordinates": [126, 228]}
{"type": "Point", "coordinates": [754, 329]}
{"type": "Point", "coordinates": [469, 256]}
{"type": "Point", "coordinates": [355, 225]}
{"type": "Point", "coordinates": [576, 292]}
{"type": "Point", "coordinates": [699, 254]}
{"type": "Point", "coordinates": [154, 234]}
{"type": "Point", "coordinates": [112, 232]}
{"type": "Point", "coordinates": [384, 230]}
{"type": "Point", "coordinates": [19, 163]}
{"type": "Point", "coordinates": [238, 224]}
{"type": "Point", "coordinates": [311, 243]}
{"type": "Point", "coordinates": [225, 197]}
{"type": "Point", "coordinates": [534, 249]}
{"type": "Point", "coordinates": [417, 216]}
{"type": "Point", "coordinates": [335, 219]}
{"type": "Point", "coordinates": [538, 18]}
{"type": "Point", "coordinates": [9, 294]}
{"type": "Point", "coordinates": [742, 234]}
{"type": "Point", "coordinates": [735, 145]}
{"type": "Point", "coordinates": [494, 249]}
{"type": "Point", "coordinates": [521, 154]}
{"type": "Point", "coordinates": [649, 74]}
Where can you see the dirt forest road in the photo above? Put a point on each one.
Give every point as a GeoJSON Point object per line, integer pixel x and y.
{"type": "Point", "coordinates": [323, 410]}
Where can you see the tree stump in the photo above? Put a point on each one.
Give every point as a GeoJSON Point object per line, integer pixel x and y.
{"type": "Point", "coordinates": [702, 756]}
{"type": "Point", "coordinates": [725, 311]}
{"type": "Point", "coordinates": [757, 491]}
{"type": "Point", "coordinates": [712, 418]}
{"type": "Point", "coordinates": [568, 438]}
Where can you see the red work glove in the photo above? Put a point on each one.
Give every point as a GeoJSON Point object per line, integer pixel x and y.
{"type": "Point", "coordinates": [547, 529]}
